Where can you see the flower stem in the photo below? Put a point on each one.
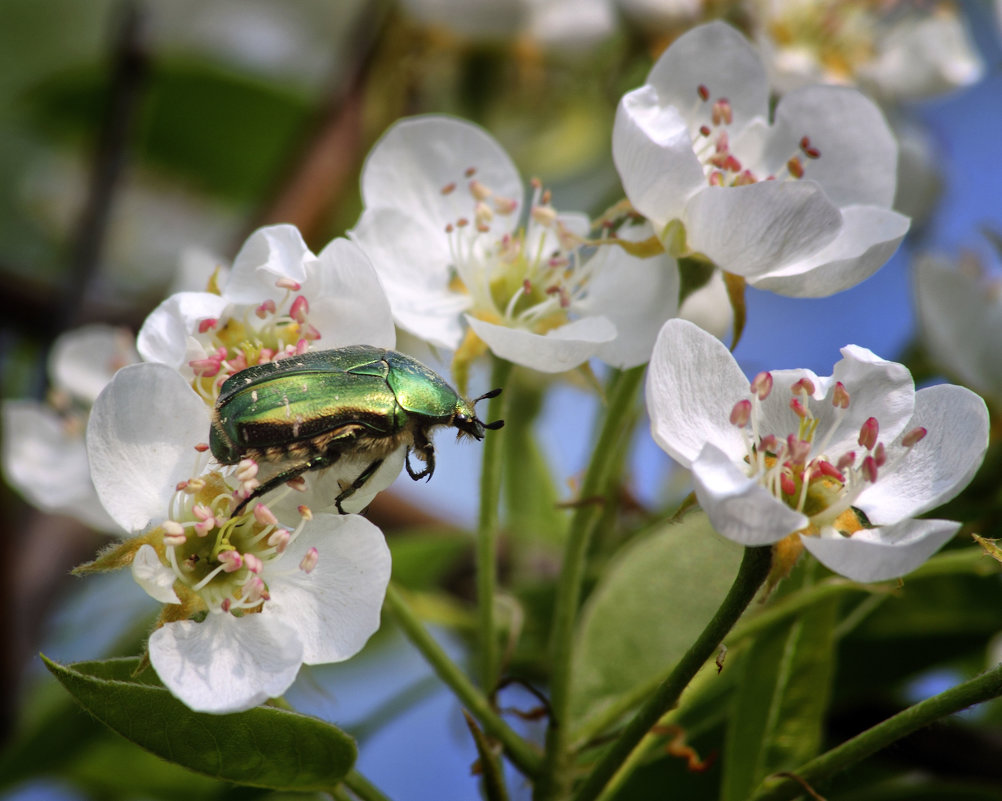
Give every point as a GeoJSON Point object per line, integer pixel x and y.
{"type": "Point", "coordinates": [622, 391]}
{"type": "Point", "coordinates": [362, 787]}
{"type": "Point", "coordinates": [522, 755]}
{"type": "Point", "coordinates": [751, 574]}
{"type": "Point", "coordinates": [982, 688]}
{"type": "Point", "coordinates": [487, 535]}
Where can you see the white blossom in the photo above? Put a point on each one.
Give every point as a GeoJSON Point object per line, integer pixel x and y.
{"type": "Point", "coordinates": [252, 596]}
{"type": "Point", "coordinates": [445, 228]}
{"type": "Point", "coordinates": [798, 204]}
{"type": "Point", "coordinates": [846, 461]}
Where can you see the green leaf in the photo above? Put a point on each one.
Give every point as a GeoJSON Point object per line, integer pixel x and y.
{"type": "Point", "coordinates": [423, 559]}
{"type": "Point", "coordinates": [263, 747]}
{"type": "Point", "coordinates": [782, 695]}
{"type": "Point", "coordinates": [649, 607]}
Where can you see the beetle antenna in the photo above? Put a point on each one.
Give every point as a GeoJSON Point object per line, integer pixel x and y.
{"type": "Point", "coordinates": [486, 396]}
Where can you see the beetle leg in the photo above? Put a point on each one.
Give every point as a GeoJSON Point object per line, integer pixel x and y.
{"type": "Point", "coordinates": [426, 452]}
{"type": "Point", "coordinates": [318, 462]}
{"type": "Point", "coordinates": [357, 484]}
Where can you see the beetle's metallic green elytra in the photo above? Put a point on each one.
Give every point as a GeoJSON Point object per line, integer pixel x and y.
{"type": "Point", "coordinates": [309, 410]}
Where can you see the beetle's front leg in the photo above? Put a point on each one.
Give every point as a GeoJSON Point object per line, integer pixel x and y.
{"type": "Point", "coordinates": [318, 462]}
{"type": "Point", "coordinates": [426, 452]}
{"type": "Point", "coordinates": [356, 485]}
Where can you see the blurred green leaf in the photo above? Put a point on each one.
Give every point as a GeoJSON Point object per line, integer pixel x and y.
{"type": "Point", "coordinates": [782, 695]}
{"type": "Point", "coordinates": [222, 132]}
{"type": "Point", "coordinates": [263, 747]}
{"type": "Point", "coordinates": [648, 608]}
{"type": "Point", "coordinates": [422, 559]}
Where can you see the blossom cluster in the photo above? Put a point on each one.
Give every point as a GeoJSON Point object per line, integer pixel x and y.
{"type": "Point", "coordinates": [455, 248]}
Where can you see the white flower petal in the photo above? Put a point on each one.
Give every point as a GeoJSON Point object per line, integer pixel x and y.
{"type": "Point", "coordinates": [561, 349]}
{"type": "Point", "coordinates": [335, 608]}
{"type": "Point", "coordinates": [165, 334]}
{"type": "Point", "coordinates": [637, 295]}
{"type": "Point", "coordinates": [140, 441]}
{"type": "Point", "coordinates": [226, 664]}
{"type": "Point", "coordinates": [652, 149]}
{"type": "Point", "coordinates": [882, 553]}
{"type": "Point", "coordinates": [154, 576]}
{"type": "Point", "coordinates": [739, 507]}
{"type": "Point", "coordinates": [270, 253]}
{"type": "Point", "coordinates": [869, 236]}
{"type": "Point", "coordinates": [693, 383]}
{"type": "Point", "coordinates": [709, 307]}
{"type": "Point", "coordinates": [413, 266]}
{"type": "Point", "coordinates": [48, 464]}
{"type": "Point", "coordinates": [196, 268]}
{"type": "Point", "coordinates": [84, 359]}
{"type": "Point", "coordinates": [348, 304]}
{"type": "Point", "coordinates": [716, 56]}
{"type": "Point", "coordinates": [938, 466]}
{"type": "Point", "coordinates": [859, 155]}
{"type": "Point", "coordinates": [960, 322]}
{"type": "Point", "coordinates": [408, 167]}
{"type": "Point", "coordinates": [753, 229]}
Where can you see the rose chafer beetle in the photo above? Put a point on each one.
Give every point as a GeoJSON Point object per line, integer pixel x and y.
{"type": "Point", "coordinates": [307, 411]}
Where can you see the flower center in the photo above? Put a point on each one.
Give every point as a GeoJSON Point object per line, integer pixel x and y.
{"type": "Point", "coordinates": [796, 467]}
{"type": "Point", "coordinates": [527, 278]}
{"type": "Point", "coordinates": [268, 332]}
{"type": "Point", "coordinates": [226, 560]}
{"type": "Point", "coordinates": [709, 129]}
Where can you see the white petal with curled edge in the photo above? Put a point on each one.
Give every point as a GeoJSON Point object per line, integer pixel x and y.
{"type": "Point", "coordinates": [167, 329]}
{"type": "Point", "coordinates": [718, 57]}
{"type": "Point", "coordinates": [334, 608]}
{"type": "Point", "coordinates": [140, 442]}
{"type": "Point", "coordinates": [558, 350]}
{"type": "Point", "coordinates": [226, 664]}
{"type": "Point", "coordinates": [693, 383]}
{"type": "Point", "coordinates": [881, 553]}
{"type": "Point", "coordinates": [652, 149]}
{"type": "Point", "coordinates": [348, 305]}
{"type": "Point", "coordinates": [753, 229]}
{"type": "Point", "coordinates": [416, 158]}
{"type": "Point", "coordinates": [270, 253]}
{"type": "Point", "coordinates": [868, 238]}
{"type": "Point", "coordinates": [739, 507]}
{"type": "Point", "coordinates": [154, 576]}
{"type": "Point", "coordinates": [938, 466]}
{"type": "Point", "coordinates": [84, 359]}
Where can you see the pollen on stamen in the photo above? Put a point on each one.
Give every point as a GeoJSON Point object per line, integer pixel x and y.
{"type": "Point", "coordinates": [914, 436]}
{"type": "Point", "coordinates": [840, 396]}
{"type": "Point", "coordinates": [266, 308]}
{"type": "Point", "coordinates": [225, 605]}
{"type": "Point", "coordinates": [722, 112]}
{"type": "Point", "coordinates": [309, 561]}
{"type": "Point", "coordinates": [207, 324]}
{"type": "Point", "coordinates": [846, 460]}
{"type": "Point", "coordinates": [505, 205]}
{"type": "Point", "coordinates": [299, 309]}
{"type": "Point", "coordinates": [869, 469]}
{"type": "Point", "coordinates": [462, 222]}
{"type": "Point", "coordinates": [880, 454]}
{"type": "Point", "coordinates": [703, 91]}
{"type": "Point", "coordinates": [826, 468]}
{"type": "Point", "coordinates": [787, 484]}
{"type": "Point", "coordinates": [298, 484]}
{"type": "Point", "coordinates": [231, 561]}
{"type": "Point", "coordinates": [194, 485]}
{"type": "Point", "coordinates": [470, 172]}
{"type": "Point", "coordinates": [253, 562]}
{"type": "Point", "coordinates": [202, 447]}
{"type": "Point", "coordinates": [741, 413]}
{"type": "Point", "coordinates": [761, 385]}
{"type": "Point", "coordinates": [174, 533]}
{"type": "Point", "coordinates": [288, 283]}
{"type": "Point", "coordinates": [449, 188]}
{"type": "Point", "coordinates": [705, 130]}
{"type": "Point", "coordinates": [795, 168]}
{"type": "Point", "coordinates": [804, 385]}
{"type": "Point", "coordinates": [868, 433]}
{"type": "Point", "coordinates": [808, 149]}
{"type": "Point", "coordinates": [264, 515]}
{"type": "Point", "coordinates": [305, 512]}
{"type": "Point", "coordinates": [798, 408]}
{"type": "Point", "coordinates": [279, 540]}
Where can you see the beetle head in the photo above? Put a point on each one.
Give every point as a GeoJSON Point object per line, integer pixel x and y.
{"type": "Point", "coordinates": [466, 419]}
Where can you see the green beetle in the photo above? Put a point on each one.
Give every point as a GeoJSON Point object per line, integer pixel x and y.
{"type": "Point", "coordinates": [309, 410]}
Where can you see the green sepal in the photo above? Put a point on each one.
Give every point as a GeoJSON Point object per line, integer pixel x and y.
{"type": "Point", "coordinates": [262, 747]}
